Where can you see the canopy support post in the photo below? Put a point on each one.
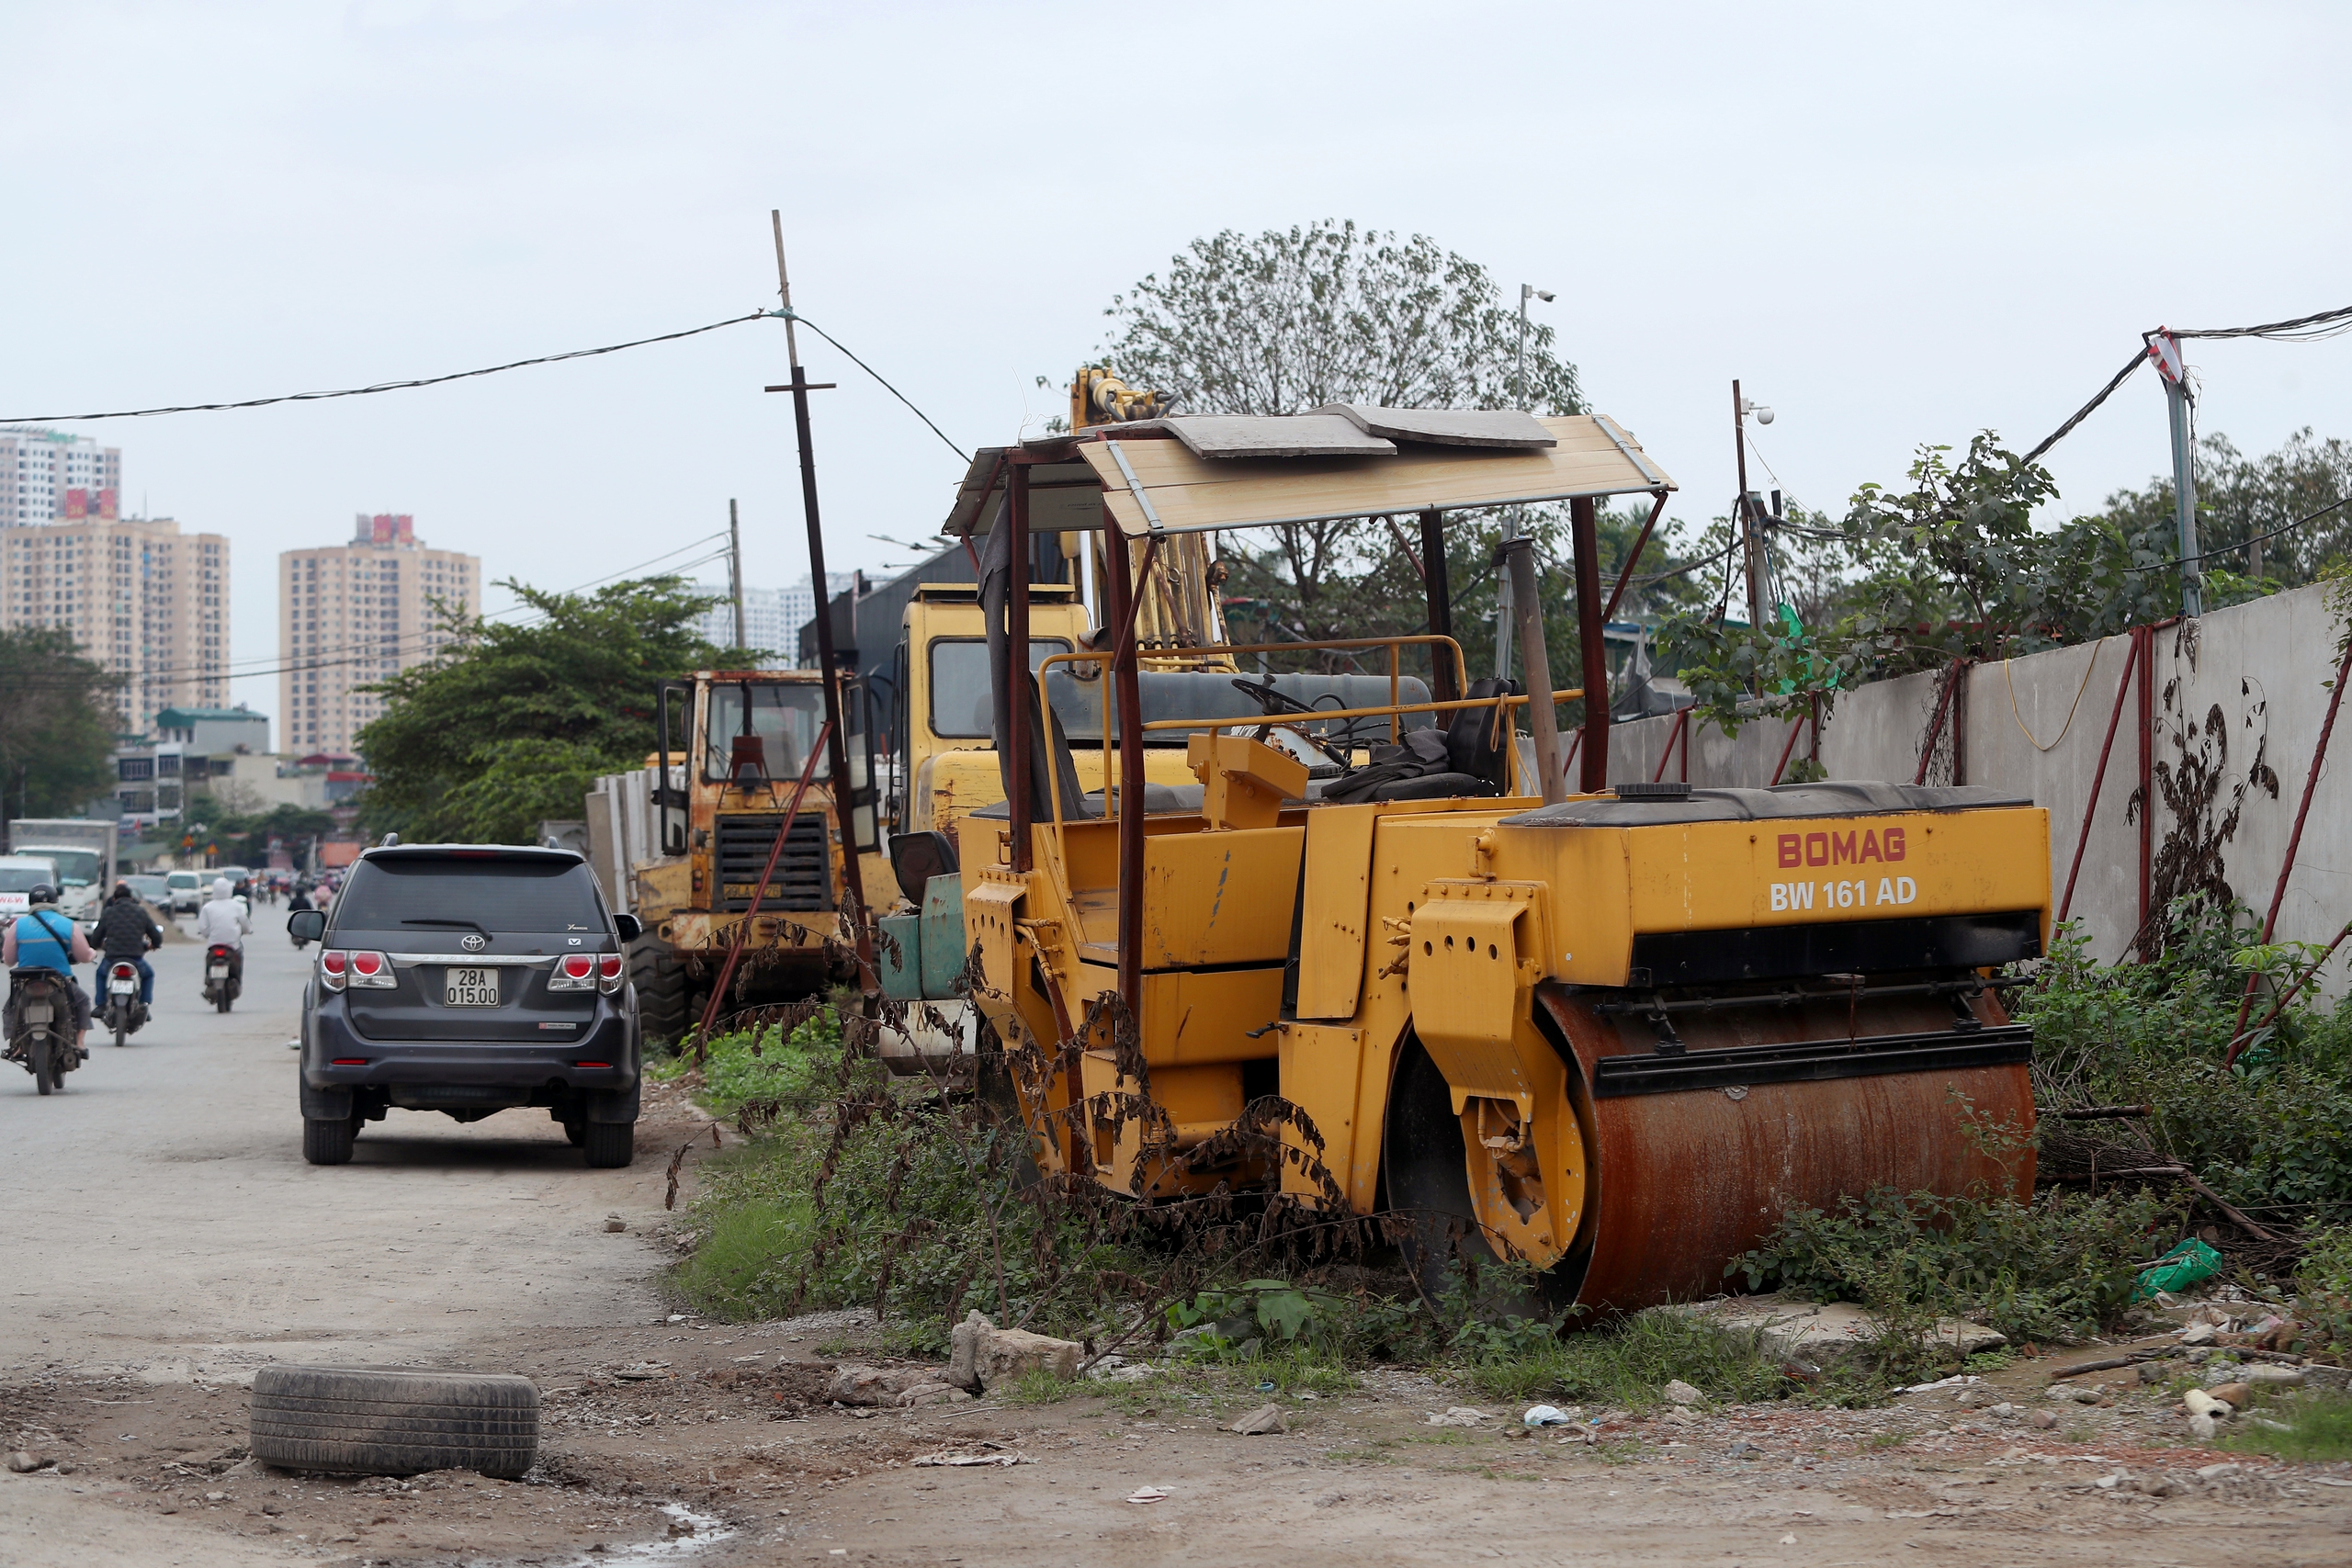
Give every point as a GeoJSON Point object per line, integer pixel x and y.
{"type": "Point", "coordinates": [1016, 632]}
{"type": "Point", "coordinates": [1585, 526]}
{"type": "Point", "coordinates": [1441, 599]}
{"type": "Point", "coordinates": [1543, 720]}
{"type": "Point", "coordinates": [1127, 697]}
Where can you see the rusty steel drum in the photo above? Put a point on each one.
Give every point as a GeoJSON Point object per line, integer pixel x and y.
{"type": "Point", "coordinates": [1681, 1182]}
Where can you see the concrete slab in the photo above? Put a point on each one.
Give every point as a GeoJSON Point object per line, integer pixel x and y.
{"type": "Point", "coordinates": [1820, 1331]}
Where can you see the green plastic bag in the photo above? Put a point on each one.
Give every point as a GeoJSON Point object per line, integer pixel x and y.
{"type": "Point", "coordinates": [2176, 1270]}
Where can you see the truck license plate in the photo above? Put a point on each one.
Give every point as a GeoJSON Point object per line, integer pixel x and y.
{"type": "Point", "coordinates": [471, 989]}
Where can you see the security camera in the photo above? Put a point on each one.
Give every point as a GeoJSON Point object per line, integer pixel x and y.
{"type": "Point", "coordinates": [1763, 416]}
{"type": "Point", "coordinates": [1545, 295]}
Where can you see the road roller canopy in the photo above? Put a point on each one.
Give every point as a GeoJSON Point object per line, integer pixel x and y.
{"type": "Point", "coordinates": [1203, 473]}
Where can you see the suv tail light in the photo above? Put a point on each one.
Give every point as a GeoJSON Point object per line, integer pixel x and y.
{"type": "Point", "coordinates": [361, 970]}
{"type": "Point", "coordinates": [610, 968]}
{"type": "Point", "coordinates": [573, 972]}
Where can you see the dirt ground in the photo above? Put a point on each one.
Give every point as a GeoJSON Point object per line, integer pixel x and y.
{"type": "Point", "coordinates": [165, 1240]}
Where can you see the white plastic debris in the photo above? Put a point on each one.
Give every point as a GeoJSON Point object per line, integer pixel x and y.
{"type": "Point", "coordinates": [1548, 1415]}
{"type": "Point", "coordinates": [1459, 1416]}
{"type": "Point", "coordinates": [1956, 1381]}
{"type": "Point", "coordinates": [1148, 1494]}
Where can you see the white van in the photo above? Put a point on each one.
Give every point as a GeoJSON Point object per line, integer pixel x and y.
{"type": "Point", "coordinates": [187, 891]}
{"type": "Point", "coordinates": [19, 875]}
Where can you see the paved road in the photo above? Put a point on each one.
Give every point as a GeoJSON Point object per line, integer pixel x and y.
{"type": "Point", "coordinates": [157, 1217]}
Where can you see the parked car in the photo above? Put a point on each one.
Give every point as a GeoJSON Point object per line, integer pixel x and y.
{"type": "Point", "coordinates": [187, 890]}
{"type": "Point", "coordinates": [155, 890]}
{"type": "Point", "coordinates": [470, 979]}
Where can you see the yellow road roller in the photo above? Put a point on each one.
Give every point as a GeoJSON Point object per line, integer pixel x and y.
{"type": "Point", "coordinates": [1381, 955]}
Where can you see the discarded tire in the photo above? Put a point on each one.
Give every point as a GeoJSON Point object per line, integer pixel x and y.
{"type": "Point", "coordinates": [391, 1421]}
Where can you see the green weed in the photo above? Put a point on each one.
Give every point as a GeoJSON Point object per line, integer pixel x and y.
{"type": "Point", "coordinates": [1038, 1386]}
{"type": "Point", "coordinates": [2318, 1423]}
{"type": "Point", "coordinates": [1627, 1362]}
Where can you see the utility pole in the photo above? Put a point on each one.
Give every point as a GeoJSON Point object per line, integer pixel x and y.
{"type": "Point", "coordinates": [2164, 349]}
{"type": "Point", "coordinates": [1503, 580]}
{"type": "Point", "coordinates": [735, 561]}
{"type": "Point", "coordinates": [837, 737]}
{"type": "Point", "coordinates": [1751, 546]}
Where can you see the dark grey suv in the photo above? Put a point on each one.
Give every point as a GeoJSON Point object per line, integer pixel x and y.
{"type": "Point", "coordinates": [470, 979]}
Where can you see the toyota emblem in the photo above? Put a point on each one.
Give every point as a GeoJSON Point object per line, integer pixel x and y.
{"type": "Point", "coordinates": [473, 943]}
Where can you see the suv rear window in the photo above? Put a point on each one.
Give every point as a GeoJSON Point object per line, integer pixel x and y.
{"type": "Point", "coordinates": [498, 893]}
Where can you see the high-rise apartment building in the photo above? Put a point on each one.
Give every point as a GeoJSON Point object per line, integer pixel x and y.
{"type": "Point", "coordinates": [771, 616]}
{"type": "Point", "coordinates": [142, 599]}
{"type": "Point", "coordinates": [50, 476]}
{"type": "Point", "coordinates": [353, 614]}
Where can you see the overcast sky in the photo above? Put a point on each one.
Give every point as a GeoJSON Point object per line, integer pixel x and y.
{"type": "Point", "coordinates": [1896, 226]}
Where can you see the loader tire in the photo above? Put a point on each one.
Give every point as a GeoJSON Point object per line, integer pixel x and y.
{"type": "Point", "coordinates": [661, 983]}
{"type": "Point", "coordinates": [394, 1421]}
{"type": "Point", "coordinates": [1424, 1175]}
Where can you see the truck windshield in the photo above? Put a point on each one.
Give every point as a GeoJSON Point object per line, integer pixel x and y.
{"type": "Point", "coordinates": [496, 892]}
{"type": "Point", "coordinates": [959, 684]}
{"type": "Point", "coordinates": [75, 868]}
{"type": "Point", "coordinates": [785, 721]}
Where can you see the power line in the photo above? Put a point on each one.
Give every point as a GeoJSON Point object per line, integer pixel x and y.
{"type": "Point", "coordinates": [2314, 328]}
{"type": "Point", "coordinates": [2241, 544]}
{"type": "Point", "coordinates": [893, 391]}
{"type": "Point", "coordinates": [496, 369]}
{"type": "Point", "coordinates": [2300, 329]}
{"type": "Point", "coordinates": [389, 386]}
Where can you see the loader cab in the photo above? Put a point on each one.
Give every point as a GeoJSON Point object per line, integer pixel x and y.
{"type": "Point", "coordinates": [732, 748]}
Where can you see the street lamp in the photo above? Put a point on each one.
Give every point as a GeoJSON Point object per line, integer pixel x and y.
{"type": "Point", "coordinates": [1510, 519]}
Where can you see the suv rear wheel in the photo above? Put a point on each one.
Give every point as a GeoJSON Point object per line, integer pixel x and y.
{"type": "Point", "coordinates": [329, 1142]}
{"type": "Point", "coordinates": [610, 1144]}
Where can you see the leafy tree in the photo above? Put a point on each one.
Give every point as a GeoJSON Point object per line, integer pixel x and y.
{"type": "Point", "coordinates": [1287, 321]}
{"type": "Point", "coordinates": [1284, 321]}
{"type": "Point", "coordinates": [1950, 568]}
{"type": "Point", "coordinates": [2241, 498]}
{"type": "Point", "coordinates": [244, 839]}
{"type": "Point", "coordinates": [57, 723]}
{"type": "Point", "coordinates": [509, 726]}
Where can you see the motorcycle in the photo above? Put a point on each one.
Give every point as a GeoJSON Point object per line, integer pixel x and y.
{"type": "Point", "coordinates": [124, 1011]}
{"type": "Point", "coordinates": [42, 1038]}
{"type": "Point", "coordinates": [220, 982]}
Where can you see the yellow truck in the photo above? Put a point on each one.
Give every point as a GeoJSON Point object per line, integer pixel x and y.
{"type": "Point", "coordinates": [1612, 1031]}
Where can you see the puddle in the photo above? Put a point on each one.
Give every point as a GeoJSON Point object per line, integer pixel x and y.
{"type": "Point", "coordinates": [703, 1532]}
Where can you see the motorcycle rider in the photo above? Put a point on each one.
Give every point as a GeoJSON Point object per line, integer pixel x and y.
{"type": "Point", "coordinates": [42, 939]}
{"type": "Point", "coordinates": [126, 935]}
{"type": "Point", "coordinates": [222, 923]}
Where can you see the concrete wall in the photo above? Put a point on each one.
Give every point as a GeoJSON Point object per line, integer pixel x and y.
{"type": "Point", "coordinates": [2238, 696]}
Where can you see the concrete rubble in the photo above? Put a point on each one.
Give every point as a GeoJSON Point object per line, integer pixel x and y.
{"type": "Point", "coordinates": [982, 1355]}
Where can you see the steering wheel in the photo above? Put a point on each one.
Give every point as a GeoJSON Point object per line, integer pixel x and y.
{"type": "Point", "coordinates": [1273, 701]}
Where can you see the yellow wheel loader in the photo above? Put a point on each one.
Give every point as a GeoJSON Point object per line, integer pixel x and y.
{"type": "Point", "coordinates": [1378, 955]}
{"type": "Point", "coordinates": [731, 747]}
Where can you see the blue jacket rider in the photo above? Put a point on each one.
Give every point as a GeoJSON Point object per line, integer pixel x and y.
{"type": "Point", "coordinates": [40, 938]}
